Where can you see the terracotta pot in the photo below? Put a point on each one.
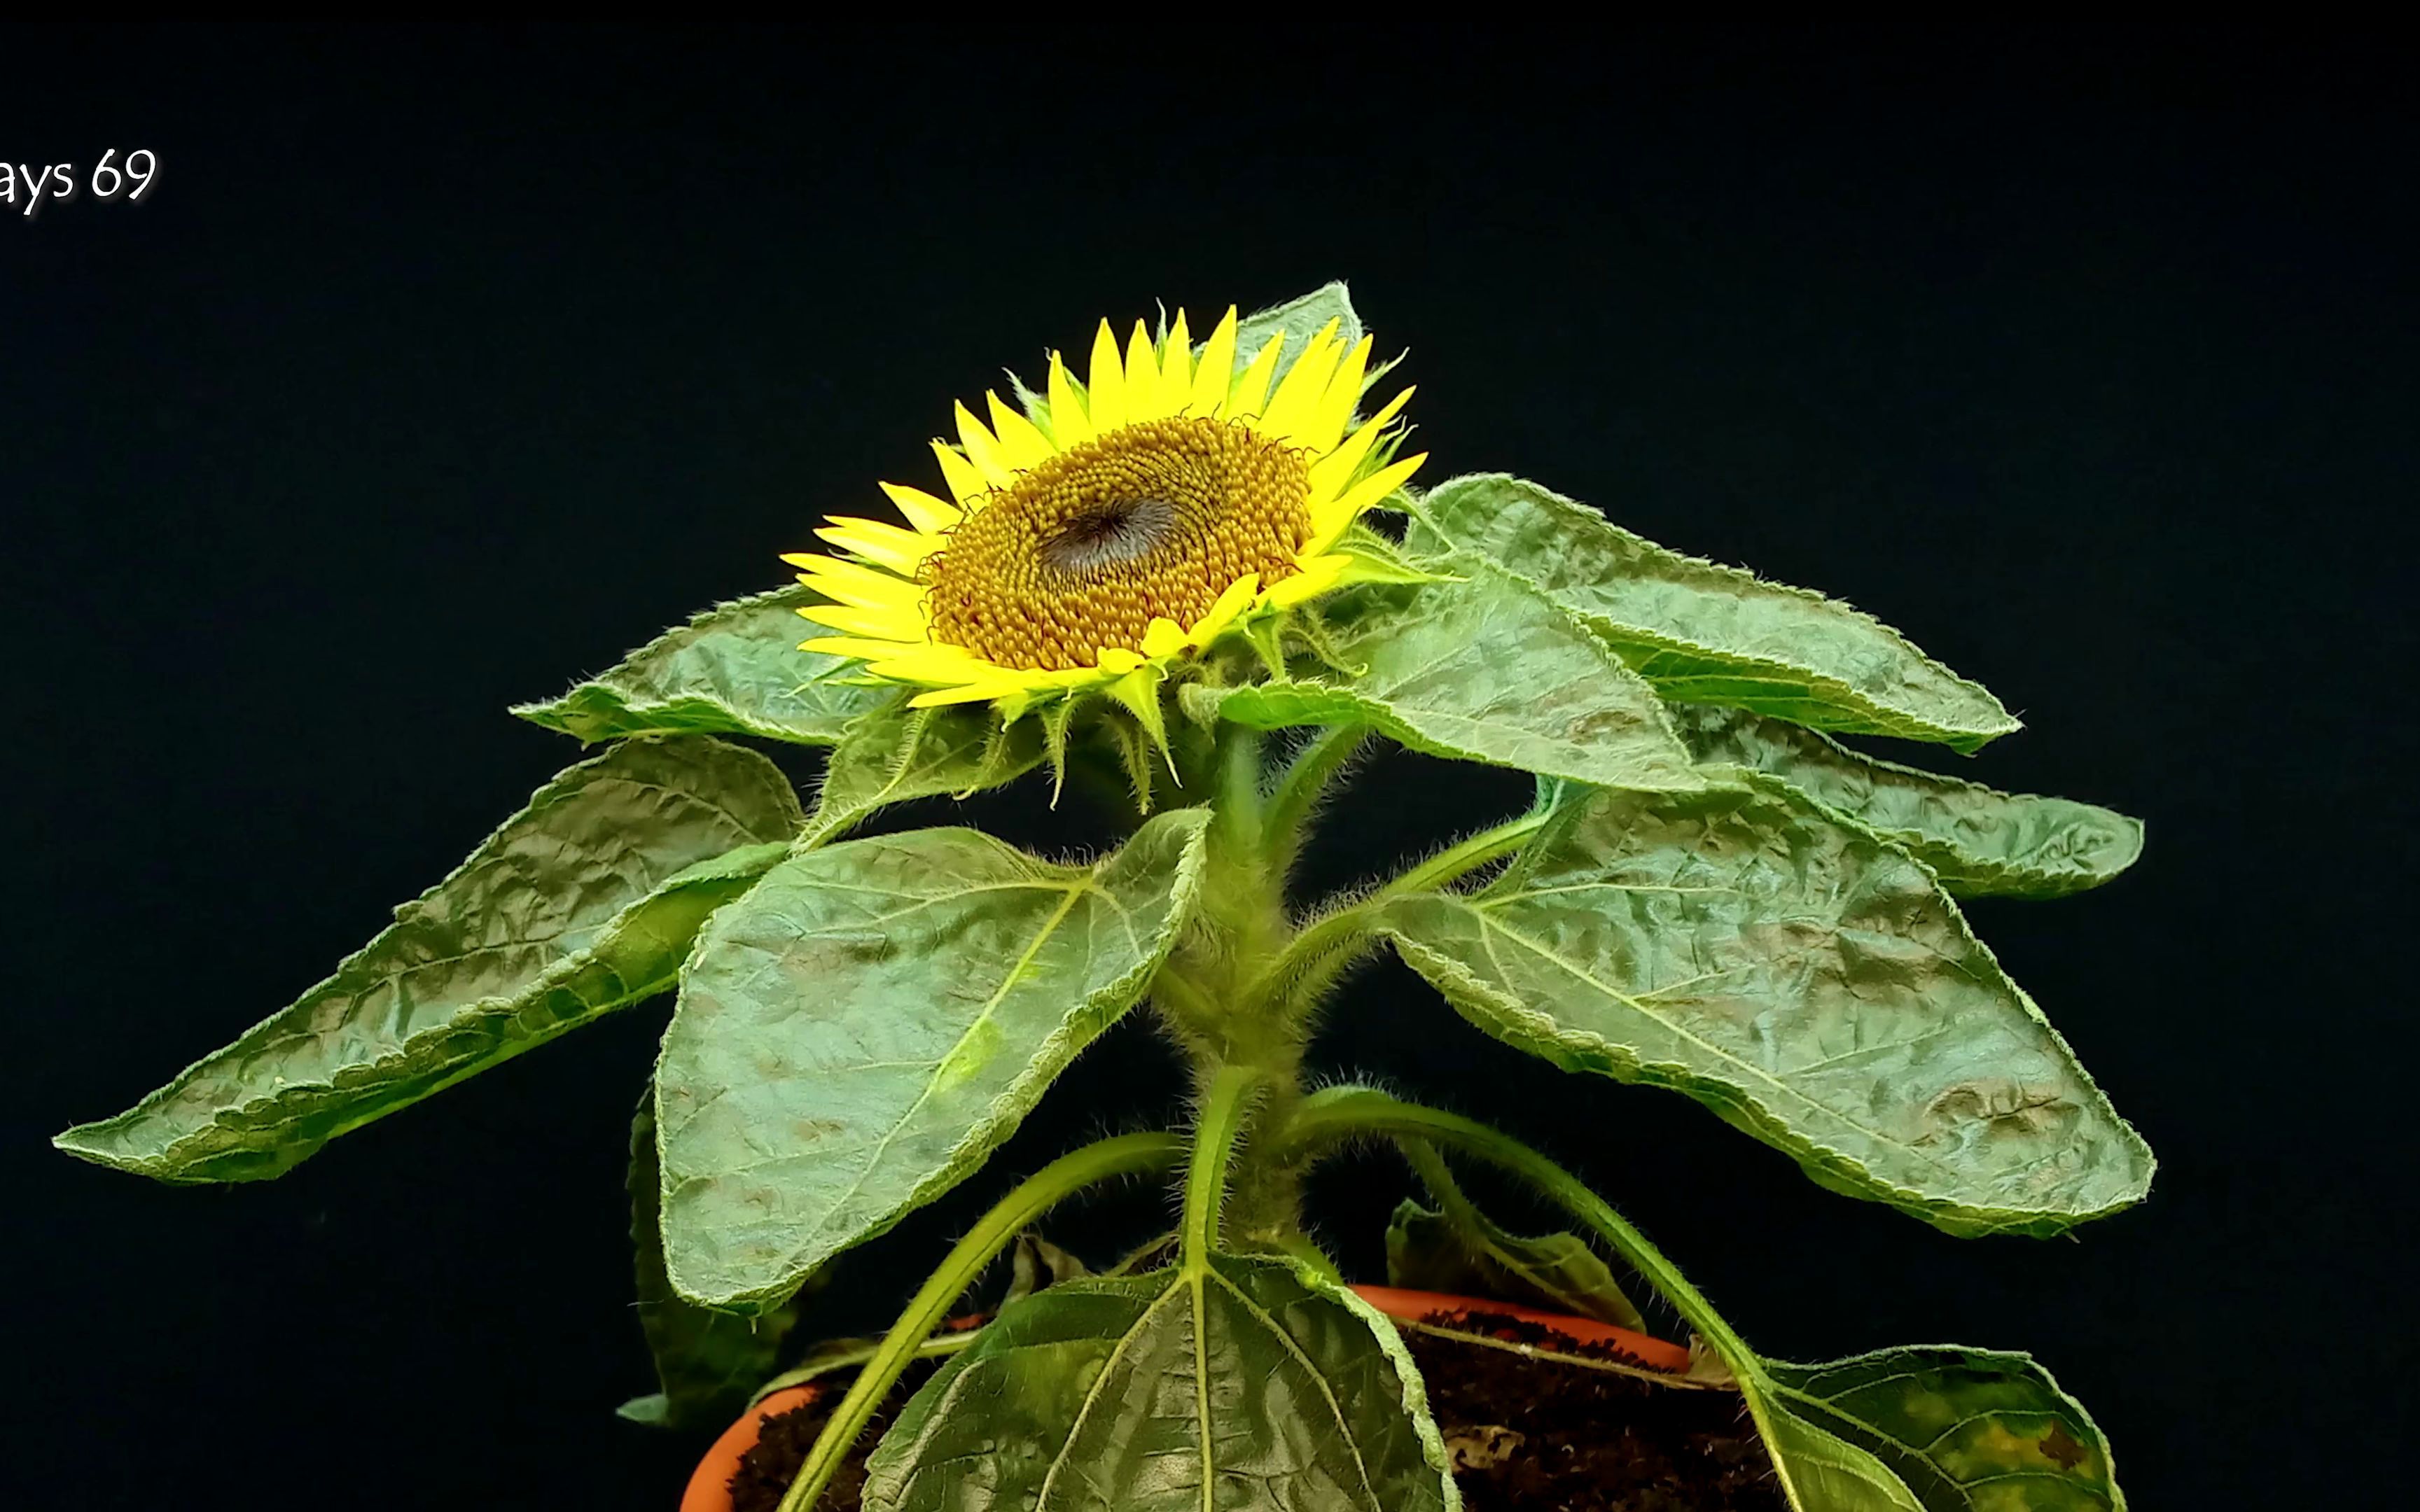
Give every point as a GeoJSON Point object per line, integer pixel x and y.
{"type": "Point", "coordinates": [710, 1490]}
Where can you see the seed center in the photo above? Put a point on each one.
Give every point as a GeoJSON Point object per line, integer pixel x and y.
{"type": "Point", "coordinates": [1082, 551]}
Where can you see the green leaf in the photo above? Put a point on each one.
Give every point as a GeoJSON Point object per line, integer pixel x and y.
{"type": "Point", "coordinates": [1459, 1249]}
{"type": "Point", "coordinates": [899, 753]}
{"type": "Point", "coordinates": [1299, 318]}
{"type": "Point", "coordinates": [735, 668]}
{"type": "Point", "coordinates": [1978, 840]}
{"type": "Point", "coordinates": [709, 1363]}
{"type": "Point", "coordinates": [1482, 669]}
{"type": "Point", "coordinates": [875, 1018]}
{"type": "Point", "coordinates": [1936, 1427]}
{"type": "Point", "coordinates": [583, 902]}
{"type": "Point", "coordinates": [1238, 1383]}
{"type": "Point", "coordinates": [1805, 979]}
{"type": "Point", "coordinates": [1708, 634]}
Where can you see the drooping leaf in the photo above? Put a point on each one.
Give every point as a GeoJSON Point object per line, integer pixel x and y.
{"type": "Point", "coordinates": [898, 753]}
{"type": "Point", "coordinates": [1241, 1383]}
{"type": "Point", "coordinates": [734, 668]}
{"type": "Point", "coordinates": [1036, 1263]}
{"type": "Point", "coordinates": [860, 1034]}
{"type": "Point", "coordinates": [1708, 634]}
{"type": "Point", "coordinates": [708, 1363]}
{"type": "Point", "coordinates": [1805, 980]}
{"type": "Point", "coordinates": [1978, 840]}
{"type": "Point", "coordinates": [1948, 1429]}
{"type": "Point", "coordinates": [583, 902]}
{"type": "Point", "coordinates": [1457, 1249]}
{"type": "Point", "coordinates": [1482, 669]}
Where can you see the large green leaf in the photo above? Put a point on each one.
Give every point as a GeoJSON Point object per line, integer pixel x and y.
{"type": "Point", "coordinates": [1806, 980]}
{"type": "Point", "coordinates": [875, 1018]}
{"type": "Point", "coordinates": [735, 668]}
{"type": "Point", "coordinates": [708, 1363]}
{"type": "Point", "coordinates": [898, 753]}
{"type": "Point", "coordinates": [1483, 668]}
{"type": "Point", "coordinates": [1933, 1428]}
{"type": "Point", "coordinates": [1239, 1383]}
{"type": "Point", "coordinates": [1978, 840]}
{"type": "Point", "coordinates": [584, 901]}
{"type": "Point", "coordinates": [1708, 634]}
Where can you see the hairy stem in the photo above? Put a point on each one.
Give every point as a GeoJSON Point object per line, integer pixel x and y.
{"type": "Point", "coordinates": [1223, 1112]}
{"type": "Point", "coordinates": [1128, 1155]}
{"type": "Point", "coordinates": [1300, 790]}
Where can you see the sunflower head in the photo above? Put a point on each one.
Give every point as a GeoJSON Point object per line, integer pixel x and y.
{"type": "Point", "coordinates": [1111, 528]}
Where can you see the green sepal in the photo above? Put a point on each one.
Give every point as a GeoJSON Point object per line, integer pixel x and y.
{"type": "Point", "coordinates": [1138, 692]}
{"type": "Point", "coordinates": [1704, 633]}
{"type": "Point", "coordinates": [874, 1021]}
{"type": "Point", "coordinates": [582, 902]}
{"type": "Point", "coordinates": [734, 668]}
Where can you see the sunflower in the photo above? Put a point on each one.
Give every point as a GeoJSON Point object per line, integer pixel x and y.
{"type": "Point", "coordinates": [1109, 529]}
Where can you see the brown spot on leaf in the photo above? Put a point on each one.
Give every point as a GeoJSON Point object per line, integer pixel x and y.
{"type": "Point", "coordinates": [2060, 1447]}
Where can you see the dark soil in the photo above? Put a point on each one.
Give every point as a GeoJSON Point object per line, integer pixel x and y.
{"type": "Point", "coordinates": [1526, 1435]}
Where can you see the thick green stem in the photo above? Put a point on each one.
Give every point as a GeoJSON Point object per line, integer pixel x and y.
{"type": "Point", "coordinates": [1129, 1155]}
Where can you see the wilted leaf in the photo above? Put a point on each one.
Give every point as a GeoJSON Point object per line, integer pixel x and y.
{"type": "Point", "coordinates": [880, 1015]}
{"type": "Point", "coordinates": [1805, 980]}
{"type": "Point", "coordinates": [1978, 840]}
{"type": "Point", "coordinates": [1482, 669]}
{"type": "Point", "coordinates": [1707, 634]}
{"type": "Point", "coordinates": [734, 668]}
{"type": "Point", "coordinates": [583, 902]}
{"type": "Point", "coordinates": [1466, 1255]}
{"type": "Point", "coordinates": [1242, 1383]}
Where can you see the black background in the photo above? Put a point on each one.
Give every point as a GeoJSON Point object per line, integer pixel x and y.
{"type": "Point", "coordinates": [442, 366]}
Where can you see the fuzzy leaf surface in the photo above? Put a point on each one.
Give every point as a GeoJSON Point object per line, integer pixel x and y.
{"type": "Point", "coordinates": [1933, 1428]}
{"type": "Point", "coordinates": [1240, 1384]}
{"type": "Point", "coordinates": [708, 1363]}
{"type": "Point", "coordinates": [583, 902]}
{"type": "Point", "coordinates": [878, 1015]}
{"type": "Point", "coordinates": [1703, 633]}
{"type": "Point", "coordinates": [734, 668]}
{"type": "Point", "coordinates": [1978, 840]}
{"type": "Point", "coordinates": [898, 753]}
{"type": "Point", "coordinates": [1805, 980]}
{"type": "Point", "coordinates": [1483, 669]}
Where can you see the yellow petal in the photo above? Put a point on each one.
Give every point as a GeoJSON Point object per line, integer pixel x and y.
{"type": "Point", "coordinates": [874, 624]}
{"type": "Point", "coordinates": [933, 665]}
{"type": "Point", "coordinates": [1297, 398]}
{"type": "Point", "coordinates": [853, 583]}
{"type": "Point", "coordinates": [1108, 383]}
{"type": "Point", "coordinates": [1163, 637]}
{"type": "Point", "coordinates": [966, 482]}
{"type": "Point", "coordinates": [1317, 575]}
{"type": "Point", "coordinates": [1070, 427]}
{"type": "Point", "coordinates": [924, 511]}
{"type": "Point", "coordinates": [1334, 410]}
{"type": "Point", "coordinates": [1142, 379]}
{"type": "Point", "coordinates": [882, 544]}
{"type": "Point", "coordinates": [1176, 370]}
{"type": "Point", "coordinates": [981, 450]}
{"type": "Point", "coordinates": [1020, 443]}
{"type": "Point", "coordinates": [858, 646]}
{"type": "Point", "coordinates": [1217, 369]}
{"type": "Point", "coordinates": [1237, 598]}
{"type": "Point", "coordinates": [1116, 662]}
{"type": "Point", "coordinates": [1331, 474]}
{"type": "Point", "coordinates": [968, 693]}
{"type": "Point", "coordinates": [1327, 520]}
{"type": "Point", "coordinates": [1251, 388]}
